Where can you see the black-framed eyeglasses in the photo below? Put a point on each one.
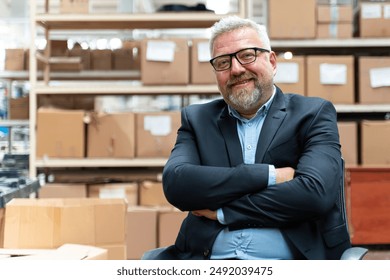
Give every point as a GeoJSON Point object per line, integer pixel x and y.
{"type": "Point", "coordinates": [244, 56]}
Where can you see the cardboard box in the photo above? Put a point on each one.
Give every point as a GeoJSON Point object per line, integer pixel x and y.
{"type": "Point", "coordinates": [50, 223]}
{"type": "Point", "coordinates": [285, 24]}
{"type": "Point", "coordinates": [122, 59]}
{"type": "Point", "coordinates": [74, 6]}
{"type": "Point", "coordinates": [60, 133]}
{"type": "Point", "coordinates": [69, 102]}
{"type": "Point", "coordinates": [156, 133]}
{"type": "Point", "coordinates": [348, 132]}
{"type": "Point", "coordinates": [115, 252]}
{"type": "Point", "coordinates": [201, 70]}
{"type": "Point", "coordinates": [375, 146]}
{"type": "Point", "coordinates": [152, 194]}
{"type": "Point", "coordinates": [335, 13]}
{"type": "Point", "coordinates": [136, 52]}
{"type": "Point", "coordinates": [64, 252]}
{"type": "Point", "coordinates": [331, 77]}
{"type": "Point", "coordinates": [65, 190]}
{"type": "Point", "coordinates": [169, 223]}
{"type": "Point", "coordinates": [165, 61]}
{"type": "Point", "coordinates": [111, 135]}
{"type": "Point", "coordinates": [84, 54]}
{"type": "Point", "coordinates": [19, 108]}
{"type": "Point", "coordinates": [374, 20]}
{"type": "Point", "coordinates": [14, 59]}
{"type": "Point", "coordinates": [101, 60]}
{"type": "Point", "coordinates": [128, 57]}
{"type": "Point", "coordinates": [59, 48]}
{"type": "Point", "coordinates": [374, 82]}
{"type": "Point", "coordinates": [141, 231]}
{"type": "Point", "coordinates": [335, 21]}
{"type": "Point", "coordinates": [334, 30]}
{"type": "Point", "coordinates": [291, 74]}
{"type": "Point", "coordinates": [127, 191]}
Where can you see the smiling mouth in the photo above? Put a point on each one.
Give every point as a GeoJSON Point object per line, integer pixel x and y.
{"type": "Point", "coordinates": [243, 82]}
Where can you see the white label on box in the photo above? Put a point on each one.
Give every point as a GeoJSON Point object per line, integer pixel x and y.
{"type": "Point", "coordinates": [158, 125]}
{"type": "Point", "coordinates": [380, 77]}
{"type": "Point", "coordinates": [203, 52]}
{"type": "Point", "coordinates": [371, 11]}
{"type": "Point", "coordinates": [160, 51]}
{"type": "Point", "coordinates": [333, 74]}
{"type": "Point", "coordinates": [386, 11]}
{"type": "Point", "coordinates": [287, 73]}
{"type": "Point", "coordinates": [112, 193]}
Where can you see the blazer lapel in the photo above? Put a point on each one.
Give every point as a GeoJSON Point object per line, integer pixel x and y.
{"type": "Point", "coordinates": [272, 122]}
{"type": "Point", "coordinates": [228, 127]}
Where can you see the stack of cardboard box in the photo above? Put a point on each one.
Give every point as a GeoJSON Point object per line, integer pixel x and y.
{"type": "Point", "coordinates": [335, 20]}
{"type": "Point", "coordinates": [339, 19]}
{"type": "Point", "coordinates": [64, 134]}
{"type": "Point", "coordinates": [150, 220]}
{"type": "Point", "coordinates": [51, 223]}
{"type": "Point", "coordinates": [125, 231]}
{"type": "Point", "coordinates": [176, 61]}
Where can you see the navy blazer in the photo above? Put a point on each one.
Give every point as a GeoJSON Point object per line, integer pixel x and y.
{"type": "Point", "coordinates": [206, 171]}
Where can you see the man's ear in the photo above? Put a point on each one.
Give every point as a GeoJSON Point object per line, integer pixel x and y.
{"type": "Point", "coordinates": [272, 59]}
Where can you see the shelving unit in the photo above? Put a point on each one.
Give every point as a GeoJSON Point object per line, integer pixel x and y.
{"type": "Point", "coordinates": [353, 46]}
{"type": "Point", "coordinates": [112, 86]}
{"type": "Point", "coordinates": [50, 21]}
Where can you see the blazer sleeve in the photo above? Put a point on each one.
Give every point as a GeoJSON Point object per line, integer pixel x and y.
{"type": "Point", "coordinates": [190, 185]}
{"type": "Point", "coordinates": [313, 191]}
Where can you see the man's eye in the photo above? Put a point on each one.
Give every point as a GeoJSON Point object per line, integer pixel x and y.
{"type": "Point", "coordinates": [223, 62]}
{"type": "Point", "coordinates": [246, 56]}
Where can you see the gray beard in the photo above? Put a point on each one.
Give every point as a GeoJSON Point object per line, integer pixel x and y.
{"type": "Point", "coordinates": [244, 100]}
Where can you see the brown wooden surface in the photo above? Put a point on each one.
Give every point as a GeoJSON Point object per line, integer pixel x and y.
{"type": "Point", "coordinates": [368, 204]}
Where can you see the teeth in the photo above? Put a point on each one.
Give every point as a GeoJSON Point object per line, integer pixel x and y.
{"type": "Point", "coordinates": [240, 83]}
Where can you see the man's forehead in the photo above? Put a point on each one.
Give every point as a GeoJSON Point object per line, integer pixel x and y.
{"type": "Point", "coordinates": [235, 40]}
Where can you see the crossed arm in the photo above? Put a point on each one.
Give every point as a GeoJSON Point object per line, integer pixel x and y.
{"type": "Point", "coordinates": [283, 174]}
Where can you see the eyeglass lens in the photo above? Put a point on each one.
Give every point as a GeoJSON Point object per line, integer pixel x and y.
{"type": "Point", "coordinates": [224, 62]}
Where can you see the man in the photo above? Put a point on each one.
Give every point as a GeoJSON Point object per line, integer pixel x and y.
{"type": "Point", "coordinates": [258, 171]}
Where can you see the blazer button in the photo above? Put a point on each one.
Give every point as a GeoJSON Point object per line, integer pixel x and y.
{"type": "Point", "coordinates": [206, 252]}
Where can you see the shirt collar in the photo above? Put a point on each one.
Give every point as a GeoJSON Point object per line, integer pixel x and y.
{"type": "Point", "coordinates": [262, 110]}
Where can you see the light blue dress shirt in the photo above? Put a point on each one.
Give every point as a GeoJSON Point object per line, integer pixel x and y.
{"type": "Point", "coordinates": [251, 243]}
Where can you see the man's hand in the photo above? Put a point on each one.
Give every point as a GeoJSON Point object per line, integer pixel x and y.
{"type": "Point", "coordinates": [212, 215]}
{"type": "Point", "coordinates": [284, 174]}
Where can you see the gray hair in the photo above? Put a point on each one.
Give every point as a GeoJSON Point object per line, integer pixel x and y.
{"type": "Point", "coordinates": [231, 23]}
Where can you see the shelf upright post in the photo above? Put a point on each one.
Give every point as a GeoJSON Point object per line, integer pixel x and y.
{"type": "Point", "coordinates": [47, 55]}
{"type": "Point", "coordinates": [33, 84]}
{"type": "Point", "coordinates": [46, 6]}
{"type": "Point", "coordinates": [242, 9]}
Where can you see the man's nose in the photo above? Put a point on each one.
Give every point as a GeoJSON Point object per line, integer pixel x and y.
{"type": "Point", "coordinates": [236, 66]}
